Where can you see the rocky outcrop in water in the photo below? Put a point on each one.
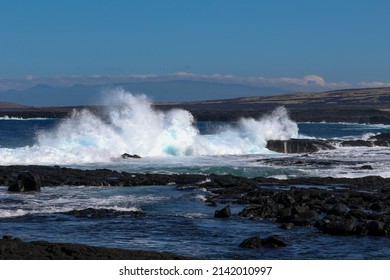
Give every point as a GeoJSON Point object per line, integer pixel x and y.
{"type": "Point", "coordinates": [298, 146]}
{"type": "Point", "coordinates": [25, 182]}
{"type": "Point", "coordinates": [126, 155]}
{"type": "Point", "coordinates": [255, 242]}
{"type": "Point", "coordinates": [224, 213]}
{"type": "Point", "coordinates": [305, 146]}
{"type": "Point", "coordinates": [92, 213]}
{"type": "Point", "coordinates": [16, 249]}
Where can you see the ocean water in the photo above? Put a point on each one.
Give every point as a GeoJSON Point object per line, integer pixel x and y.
{"type": "Point", "coordinates": [176, 220]}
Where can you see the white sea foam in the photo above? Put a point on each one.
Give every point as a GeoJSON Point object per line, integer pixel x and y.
{"type": "Point", "coordinates": [7, 118]}
{"type": "Point", "coordinates": [133, 126]}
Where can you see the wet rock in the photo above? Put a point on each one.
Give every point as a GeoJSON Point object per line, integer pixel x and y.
{"type": "Point", "coordinates": [356, 143]}
{"type": "Point", "coordinates": [376, 228]}
{"type": "Point", "coordinates": [338, 210]}
{"type": "Point", "coordinates": [366, 167]}
{"type": "Point", "coordinates": [382, 139]}
{"type": "Point", "coordinates": [255, 242]}
{"type": "Point", "coordinates": [305, 218]}
{"type": "Point", "coordinates": [266, 211]}
{"type": "Point", "coordinates": [273, 241]}
{"type": "Point", "coordinates": [16, 249]}
{"type": "Point", "coordinates": [91, 213]}
{"type": "Point", "coordinates": [126, 155]}
{"type": "Point", "coordinates": [298, 146]}
{"type": "Point", "coordinates": [251, 242]}
{"type": "Point", "coordinates": [223, 213]}
{"type": "Point", "coordinates": [25, 182]}
{"type": "Point", "coordinates": [298, 215]}
{"type": "Point", "coordinates": [337, 225]}
{"type": "Point", "coordinates": [287, 226]}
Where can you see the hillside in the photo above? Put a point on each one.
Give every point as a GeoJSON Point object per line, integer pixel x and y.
{"type": "Point", "coordinates": [352, 105]}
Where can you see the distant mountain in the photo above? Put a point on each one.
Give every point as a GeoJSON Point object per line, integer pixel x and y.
{"type": "Point", "coordinates": [168, 91]}
{"type": "Point", "coordinates": [9, 105]}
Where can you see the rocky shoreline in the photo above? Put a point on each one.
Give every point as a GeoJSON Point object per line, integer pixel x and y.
{"type": "Point", "coordinates": [15, 249]}
{"type": "Point", "coordinates": [335, 206]}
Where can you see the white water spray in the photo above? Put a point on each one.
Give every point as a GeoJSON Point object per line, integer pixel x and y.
{"type": "Point", "coordinates": [133, 126]}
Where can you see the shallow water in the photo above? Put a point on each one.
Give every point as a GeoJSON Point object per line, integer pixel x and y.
{"type": "Point", "coordinates": [174, 220]}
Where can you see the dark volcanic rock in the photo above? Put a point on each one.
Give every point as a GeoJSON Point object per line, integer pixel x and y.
{"type": "Point", "coordinates": [126, 155]}
{"type": "Point", "coordinates": [25, 182]}
{"type": "Point", "coordinates": [254, 242]}
{"type": "Point", "coordinates": [356, 143]}
{"type": "Point", "coordinates": [251, 242]}
{"type": "Point", "coordinates": [265, 211]}
{"type": "Point", "coordinates": [382, 139]}
{"type": "Point", "coordinates": [92, 213]}
{"type": "Point", "coordinates": [298, 146]}
{"type": "Point", "coordinates": [16, 249]}
{"type": "Point", "coordinates": [223, 213]}
{"type": "Point", "coordinates": [337, 225]}
{"type": "Point", "coordinates": [273, 241]}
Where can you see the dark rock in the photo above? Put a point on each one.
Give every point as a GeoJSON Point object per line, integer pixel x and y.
{"type": "Point", "coordinates": [126, 155]}
{"type": "Point", "coordinates": [299, 216]}
{"type": "Point", "coordinates": [251, 242]}
{"type": "Point", "coordinates": [375, 228]}
{"type": "Point", "coordinates": [382, 139]}
{"type": "Point", "coordinates": [25, 182]}
{"type": "Point", "coordinates": [376, 206]}
{"type": "Point", "coordinates": [287, 226]}
{"type": "Point", "coordinates": [223, 213]}
{"type": "Point", "coordinates": [16, 249]}
{"type": "Point", "coordinates": [267, 211]}
{"type": "Point", "coordinates": [254, 242]}
{"type": "Point", "coordinates": [337, 225]}
{"type": "Point", "coordinates": [366, 167]}
{"type": "Point", "coordinates": [91, 213]}
{"type": "Point", "coordinates": [298, 146]}
{"type": "Point", "coordinates": [356, 143]}
{"type": "Point", "coordinates": [305, 218]}
{"type": "Point", "coordinates": [273, 241]}
{"type": "Point", "coordinates": [338, 210]}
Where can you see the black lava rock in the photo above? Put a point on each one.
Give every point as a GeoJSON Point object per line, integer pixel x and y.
{"type": "Point", "coordinates": [25, 182]}
{"type": "Point", "coordinates": [223, 213]}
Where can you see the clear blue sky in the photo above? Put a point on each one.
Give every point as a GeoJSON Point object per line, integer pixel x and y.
{"type": "Point", "coordinates": [339, 40]}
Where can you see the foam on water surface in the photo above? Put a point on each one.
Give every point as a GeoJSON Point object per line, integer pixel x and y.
{"type": "Point", "coordinates": [132, 126]}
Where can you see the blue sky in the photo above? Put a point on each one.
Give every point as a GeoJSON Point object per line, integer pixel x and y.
{"type": "Point", "coordinates": [336, 42]}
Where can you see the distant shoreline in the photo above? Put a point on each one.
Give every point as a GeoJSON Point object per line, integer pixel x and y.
{"type": "Point", "coordinates": [347, 115]}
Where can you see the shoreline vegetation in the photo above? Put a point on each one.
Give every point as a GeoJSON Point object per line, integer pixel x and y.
{"type": "Point", "coordinates": [336, 206]}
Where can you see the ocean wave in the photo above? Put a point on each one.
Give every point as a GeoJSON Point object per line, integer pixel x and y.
{"type": "Point", "coordinates": [133, 126]}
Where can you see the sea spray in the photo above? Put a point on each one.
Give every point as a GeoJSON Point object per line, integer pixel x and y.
{"type": "Point", "coordinates": [131, 125]}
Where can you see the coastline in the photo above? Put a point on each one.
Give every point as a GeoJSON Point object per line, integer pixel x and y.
{"type": "Point", "coordinates": [335, 206]}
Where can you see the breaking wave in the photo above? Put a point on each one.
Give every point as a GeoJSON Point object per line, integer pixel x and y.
{"type": "Point", "coordinates": [131, 125]}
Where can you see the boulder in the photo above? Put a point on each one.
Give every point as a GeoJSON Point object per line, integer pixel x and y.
{"type": "Point", "coordinates": [376, 228]}
{"type": "Point", "coordinates": [92, 213]}
{"type": "Point", "coordinates": [126, 155]}
{"type": "Point", "coordinates": [251, 242]}
{"type": "Point", "coordinates": [298, 146]}
{"type": "Point", "coordinates": [255, 242]}
{"type": "Point", "coordinates": [338, 210]}
{"type": "Point", "coordinates": [223, 213]}
{"type": "Point", "coordinates": [382, 140]}
{"type": "Point", "coordinates": [265, 211]}
{"type": "Point", "coordinates": [273, 241]}
{"type": "Point", "coordinates": [26, 182]}
{"type": "Point", "coordinates": [337, 225]}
